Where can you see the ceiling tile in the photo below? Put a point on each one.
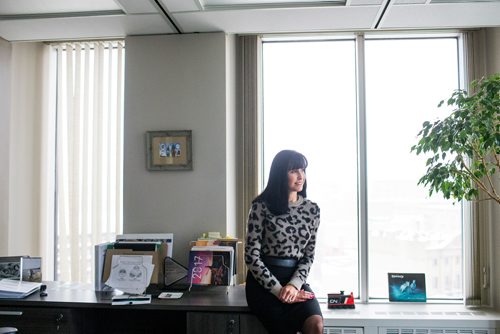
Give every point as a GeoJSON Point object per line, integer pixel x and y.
{"type": "Point", "coordinates": [466, 15]}
{"type": "Point", "coordinates": [363, 2]}
{"type": "Point", "coordinates": [83, 27]}
{"type": "Point", "coordinates": [180, 5]}
{"type": "Point", "coordinates": [279, 20]}
{"type": "Point", "coordinates": [408, 2]}
{"type": "Point", "coordinates": [137, 6]}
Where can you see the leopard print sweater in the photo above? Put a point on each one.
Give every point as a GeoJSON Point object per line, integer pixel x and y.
{"type": "Point", "coordinates": [289, 235]}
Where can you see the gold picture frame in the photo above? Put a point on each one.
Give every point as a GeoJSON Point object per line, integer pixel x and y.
{"type": "Point", "coordinates": [169, 150]}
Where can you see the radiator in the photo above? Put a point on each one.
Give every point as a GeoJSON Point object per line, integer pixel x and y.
{"type": "Point", "coordinates": [342, 330]}
{"type": "Point", "coordinates": [409, 330]}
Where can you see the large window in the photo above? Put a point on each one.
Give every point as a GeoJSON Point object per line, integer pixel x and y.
{"type": "Point", "coordinates": [362, 173]}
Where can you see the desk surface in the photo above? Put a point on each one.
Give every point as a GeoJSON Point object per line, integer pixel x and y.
{"type": "Point", "coordinates": [75, 295]}
{"type": "Point", "coordinates": [232, 299]}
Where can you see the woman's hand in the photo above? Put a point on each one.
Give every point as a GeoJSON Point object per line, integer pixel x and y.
{"type": "Point", "coordinates": [289, 294]}
{"type": "Point", "coordinates": [304, 295]}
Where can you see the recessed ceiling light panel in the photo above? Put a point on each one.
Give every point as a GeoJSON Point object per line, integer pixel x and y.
{"type": "Point", "coordinates": [256, 4]}
{"type": "Point", "coordinates": [462, 1]}
{"type": "Point", "coordinates": [27, 7]}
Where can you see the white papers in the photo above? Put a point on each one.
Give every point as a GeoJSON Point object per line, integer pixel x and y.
{"type": "Point", "coordinates": [17, 289]}
{"type": "Point", "coordinates": [131, 273]}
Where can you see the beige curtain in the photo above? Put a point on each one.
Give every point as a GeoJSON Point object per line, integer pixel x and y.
{"type": "Point", "coordinates": [89, 153]}
{"type": "Point", "coordinates": [477, 236]}
{"type": "Point", "coordinates": [249, 82]}
{"type": "Point", "coordinates": [31, 152]}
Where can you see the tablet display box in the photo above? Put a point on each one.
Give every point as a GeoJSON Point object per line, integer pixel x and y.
{"type": "Point", "coordinates": [406, 287]}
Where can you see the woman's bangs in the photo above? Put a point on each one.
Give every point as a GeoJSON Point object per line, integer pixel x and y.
{"type": "Point", "coordinates": [297, 162]}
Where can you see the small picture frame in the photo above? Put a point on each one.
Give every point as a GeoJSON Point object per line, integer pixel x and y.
{"type": "Point", "coordinates": [407, 287]}
{"type": "Point", "coordinates": [169, 150]}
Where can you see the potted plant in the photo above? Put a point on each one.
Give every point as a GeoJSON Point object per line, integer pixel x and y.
{"type": "Point", "coordinates": [464, 147]}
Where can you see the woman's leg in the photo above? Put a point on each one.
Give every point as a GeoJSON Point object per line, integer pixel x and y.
{"type": "Point", "coordinates": [313, 325]}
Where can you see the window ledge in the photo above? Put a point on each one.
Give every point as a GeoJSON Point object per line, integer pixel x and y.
{"type": "Point", "coordinates": [411, 315]}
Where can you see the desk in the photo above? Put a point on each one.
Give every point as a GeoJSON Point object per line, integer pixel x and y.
{"type": "Point", "coordinates": [76, 308]}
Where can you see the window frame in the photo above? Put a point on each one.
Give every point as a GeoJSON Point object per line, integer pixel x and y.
{"type": "Point", "coordinates": [360, 38]}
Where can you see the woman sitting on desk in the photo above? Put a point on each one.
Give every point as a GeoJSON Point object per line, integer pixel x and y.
{"type": "Point", "coordinates": [279, 250]}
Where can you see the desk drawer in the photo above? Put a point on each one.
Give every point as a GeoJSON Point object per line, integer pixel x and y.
{"type": "Point", "coordinates": [36, 320]}
{"type": "Point", "coordinates": [213, 323]}
{"type": "Point", "coordinates": [223, 323]}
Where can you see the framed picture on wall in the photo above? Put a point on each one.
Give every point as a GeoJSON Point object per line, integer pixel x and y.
{"type": "Point", "coordinates": [169, 150]}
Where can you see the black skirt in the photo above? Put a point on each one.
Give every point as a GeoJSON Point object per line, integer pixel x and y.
{"type": "Point", "coordinates": [276, 316]}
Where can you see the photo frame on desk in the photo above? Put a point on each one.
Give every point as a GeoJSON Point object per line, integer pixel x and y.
{"type": "Point", "coordinates": [169, 150]}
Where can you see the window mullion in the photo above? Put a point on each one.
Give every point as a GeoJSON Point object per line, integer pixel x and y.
{"type": "Point", "coordinates": [362, 171]}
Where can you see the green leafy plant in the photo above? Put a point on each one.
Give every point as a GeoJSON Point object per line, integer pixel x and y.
{"type": "Point", "coordinates": [464, 147]}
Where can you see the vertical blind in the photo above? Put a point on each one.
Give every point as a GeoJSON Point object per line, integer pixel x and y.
{"type": "Point", "coordinates": [89, 150]}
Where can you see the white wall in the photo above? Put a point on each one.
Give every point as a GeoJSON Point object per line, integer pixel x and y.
{"type": "Point", "coordinates": [5, 61]}
{"type": "Point", "coordinates": [493, 66]}
{"type": "Point", "coordinates": [179, 83]}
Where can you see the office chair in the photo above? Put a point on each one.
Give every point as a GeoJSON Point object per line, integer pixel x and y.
{"type": "Point", "coordinates": [8, 330]}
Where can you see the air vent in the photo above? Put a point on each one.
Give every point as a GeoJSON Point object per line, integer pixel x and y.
{"type": "Point", "coordinates": [397, 330]}
{"type": "Point", "coordinates": [460, 314]}
{"type": "Point", "coordinates": [342, 330]}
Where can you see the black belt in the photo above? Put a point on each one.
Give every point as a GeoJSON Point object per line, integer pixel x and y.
{"type": "Point", "coordinates": [280, 261]}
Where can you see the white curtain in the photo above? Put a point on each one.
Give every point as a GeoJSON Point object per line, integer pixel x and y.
{"type": "Point", "coordinates": [89, 153]}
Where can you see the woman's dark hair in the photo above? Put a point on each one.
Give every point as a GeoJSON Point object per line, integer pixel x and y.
{"type": "Point", "coordinates": [275, 195]}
